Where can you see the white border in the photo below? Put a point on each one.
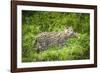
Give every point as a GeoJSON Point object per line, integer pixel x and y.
{"type": "Point", "coordinates": [53, 63]}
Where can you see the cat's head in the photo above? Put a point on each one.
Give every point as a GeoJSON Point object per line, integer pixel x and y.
{"type": "Point", "coordinates": [69, 31]}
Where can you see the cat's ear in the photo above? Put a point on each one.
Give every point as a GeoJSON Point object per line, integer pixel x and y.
{"type": "Point", "coordinates": [66, 27]}
{"type": "Point", "coordinates": [66, 30]}
{"type": "Point", "coordinates": [70, 26]}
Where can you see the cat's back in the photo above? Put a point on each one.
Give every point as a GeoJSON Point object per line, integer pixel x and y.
{"type": "Point", "coordinates": [48, 34]}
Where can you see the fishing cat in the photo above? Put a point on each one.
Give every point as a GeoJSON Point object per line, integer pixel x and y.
{"type": "Point", "coordinates": [46, 39]}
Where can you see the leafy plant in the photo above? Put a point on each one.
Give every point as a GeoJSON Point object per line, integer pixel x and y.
{"type": "Point", "coordinates": [35, 22]}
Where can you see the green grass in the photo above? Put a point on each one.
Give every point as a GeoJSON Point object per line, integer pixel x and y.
{"type": "Point", "coordinates": [74, 49]}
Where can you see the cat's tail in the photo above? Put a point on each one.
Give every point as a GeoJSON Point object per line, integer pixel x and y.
{"type": "Point", "coordinates": [35, 46]}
